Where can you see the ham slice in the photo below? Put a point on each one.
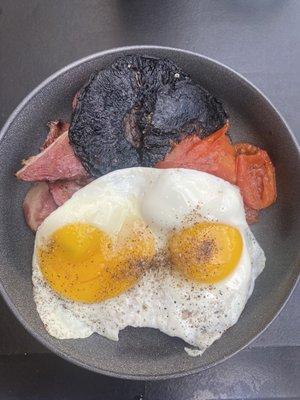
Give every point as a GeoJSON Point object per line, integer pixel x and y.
{"type": "Point", "coordinates": [75, 100]}
{"type": "Point", "coordinates": [64, 190]}
{"type": "Point", "coordinates": [57, 161]}
{"type": "Point", "coordinates": [38, 204]}
{"type": "Point", "coordinates": [43, 198]}
{"type": "Point", "coordinates": [56, 128]}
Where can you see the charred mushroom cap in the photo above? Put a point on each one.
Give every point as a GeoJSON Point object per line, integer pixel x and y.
{"type": "Point", "coordinates": [130, 113]}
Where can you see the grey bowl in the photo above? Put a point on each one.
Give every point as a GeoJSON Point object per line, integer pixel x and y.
{"type": "Point", "coordinates": [146, 353]}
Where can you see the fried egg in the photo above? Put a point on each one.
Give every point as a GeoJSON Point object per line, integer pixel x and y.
{"type": "Point", "coordinates": [167, 249]}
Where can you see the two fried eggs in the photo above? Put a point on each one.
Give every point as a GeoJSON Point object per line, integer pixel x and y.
{"type": "Point", "coordinates": [143, 247]}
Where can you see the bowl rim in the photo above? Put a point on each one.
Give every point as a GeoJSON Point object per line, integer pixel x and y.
{"type": "Point", "coordinates": [10, 302]}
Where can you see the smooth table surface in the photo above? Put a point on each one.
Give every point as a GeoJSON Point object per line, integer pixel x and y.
{"type": "Point", "coordinates": [259, 39]}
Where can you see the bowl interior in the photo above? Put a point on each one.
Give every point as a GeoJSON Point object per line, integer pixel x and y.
{"type": "Point", "coordinates": [147, 353]}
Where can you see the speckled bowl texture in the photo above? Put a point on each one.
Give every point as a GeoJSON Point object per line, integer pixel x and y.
{"type": "Point", "coordinates": [146, 353]}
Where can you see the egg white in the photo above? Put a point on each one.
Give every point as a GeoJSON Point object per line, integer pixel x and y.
{"type": "Point", "coordinates": [164, 199]}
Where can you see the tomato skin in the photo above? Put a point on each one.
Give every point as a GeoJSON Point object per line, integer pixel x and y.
{"type": "Point", "coordinates": [213, 154]}
{"type": "Point", "coordinates": [243, 164]}
{"type": "Point", "coordinates": [245, 148]}
{"type": "Point", "coordinates": [255, 176]}
{"type": "Point", "coordinates": [252, 215]}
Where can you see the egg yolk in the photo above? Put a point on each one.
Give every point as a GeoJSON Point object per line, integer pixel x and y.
{"type": "Point", "coordinates": [82, 263]}
{"type": "Point", "coordinates": [206, 252]}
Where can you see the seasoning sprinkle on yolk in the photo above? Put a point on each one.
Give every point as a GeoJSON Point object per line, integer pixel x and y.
{"type": "Point", "coordinates": [206, 252]}
{"type": "Point", "coordinates": [82, 263]}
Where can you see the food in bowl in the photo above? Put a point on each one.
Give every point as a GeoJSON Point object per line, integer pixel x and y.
{"type": "Point", "coordinates": [147, 247]}
{"type": "Point", "coordinates": [140, 209]}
